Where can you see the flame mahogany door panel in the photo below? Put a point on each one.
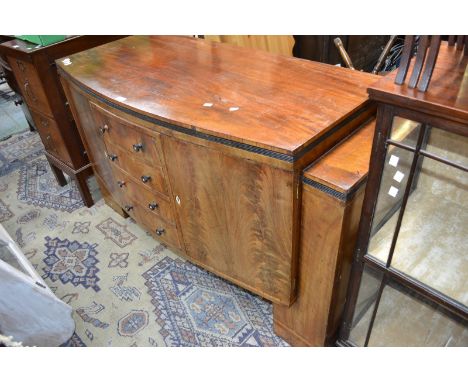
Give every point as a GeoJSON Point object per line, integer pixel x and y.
{"type": "Point", "coordinates": [236, 216]}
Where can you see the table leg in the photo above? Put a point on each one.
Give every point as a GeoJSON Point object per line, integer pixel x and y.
{"type": "Point", "coordinates": [84, 189]}
{"type": "Point", "coordinates": [58, 175]}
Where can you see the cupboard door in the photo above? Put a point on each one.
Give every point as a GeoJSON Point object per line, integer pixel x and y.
{"type": "Point", "coordinates": [236, 216]}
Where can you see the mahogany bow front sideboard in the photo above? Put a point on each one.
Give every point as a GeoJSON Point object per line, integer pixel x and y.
{"type": "Point", "coordinates": [205, 145]}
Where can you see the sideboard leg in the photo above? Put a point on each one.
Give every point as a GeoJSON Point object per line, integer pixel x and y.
{"type": "Point", "coordinates": [286, 330]}
{"type": "Point", "coordinates": [329, 231]}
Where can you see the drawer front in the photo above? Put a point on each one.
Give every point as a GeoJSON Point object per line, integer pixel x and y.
{"type": "Point", "coordinates": [128, 136]}
{"type": "Point", "coordinates": [129, 206]}
{"type": "Point", "coordinates": [150, 177]}
{"type": "Point", "coordinates": [162, 230]}
{"type": "Point", "coordinates": [158, 227]}
{"type": "Point", "coordinates": [31, 85]}
{"type": "Point", "coordinates": [51, 137]}
{"type": "Point", "coordinates": [152, 203]}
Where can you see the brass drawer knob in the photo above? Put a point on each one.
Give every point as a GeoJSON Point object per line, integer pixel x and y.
{"type": "Point", "coordinates": [128, 208]}
{"type": "Point", "coordinates": [103, 129]}
{"type": "Point", "coordinates": [153, 206]}
{"type": "Point", "coordinates": [121, 183]}
{"type": "Point", "coordinates": [138, 147]}
{"type": "Point", "coordinates": [145, 178]}
{"type": "Point", "coordinates": [160, 231]}
{"type": "Point", "coordinates": [112, 157]}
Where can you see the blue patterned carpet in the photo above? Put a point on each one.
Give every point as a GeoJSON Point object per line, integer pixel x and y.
{"type": "Point", "coordinates": [126, 289]}
{"type": "Point", "coordinates": [196, 308]}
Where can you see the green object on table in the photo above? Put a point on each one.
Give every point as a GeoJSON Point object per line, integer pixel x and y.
{"type": "Point", "coordinates": [41, 39]}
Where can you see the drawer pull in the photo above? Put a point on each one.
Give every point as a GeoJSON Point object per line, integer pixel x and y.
{"type": "Point", "coordinates": [112, 157]}
{"type": "Point", "coordinates": [160, 231]}
{"type": "Point", "coordinates": [103, 129]}
{"type": "Point", "coordinates": [44, 122]}
{"type": "Point", "coordinates": [128, 208]}
{"type": "Point", "coordinates": [145, 178]}
{"type": "Point", "coordinates": [153, 206]}
{"type": "Point", "coordinates": [138, 147]}
{"type": "Point", "coordinates": [121, 183]}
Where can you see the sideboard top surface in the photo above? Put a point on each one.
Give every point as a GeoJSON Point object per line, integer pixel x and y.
{"type": "Point", "coordinates": [270, 101]}
{"type": "Point", "coordinates": [347, 165]}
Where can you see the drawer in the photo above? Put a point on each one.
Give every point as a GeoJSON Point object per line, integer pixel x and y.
{"type": "Point", "coordinates": [129, 207]}
{"type": "Point", "coordinates": [128, 137]}
{"type": "Point", "coordinates": [31, 85]}
{"type": "Point", "coordinates": [51, 137]}
{"type": "Point", "coordinates": [150, 177]}
{"type": "Point", "coordinates": [151, 202]}
{"type": "Point", "coordinates": [162, 230]}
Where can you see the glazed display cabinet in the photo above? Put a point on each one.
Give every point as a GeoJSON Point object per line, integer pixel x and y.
{"type": "Point", "coordinates": [409, 281]}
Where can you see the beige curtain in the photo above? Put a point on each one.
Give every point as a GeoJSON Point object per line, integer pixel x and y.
{"type": "Point", "coordinates": [273, 44]}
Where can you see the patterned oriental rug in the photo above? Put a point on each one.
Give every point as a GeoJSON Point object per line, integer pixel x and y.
{"type": "Point", "coordinates": [126, 289]}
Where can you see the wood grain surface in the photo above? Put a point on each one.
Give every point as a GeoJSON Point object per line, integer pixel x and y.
{"type": "Point", "coordinates": [36, 75]}
{"type": "Point", "coordinates": [447, 94]}
{"type": "Point", "coordinates": [347, 164]}
{"type": "Point", "coordinates": [236, 209]}
{"type": "Point", "coordinates": [235, 216]}
{"type": "Point", "coordinates": [329, 228]}
{"type": "Point", "coordinates": [283, 103]}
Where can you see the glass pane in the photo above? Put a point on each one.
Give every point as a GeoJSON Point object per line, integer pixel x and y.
{"type": "Point", "coordinates": [392, 187]}
{"type": "Point", "coordinates": [405, 131]}
{"type": "Point", "coordinates": [404, 320]}
{"type": "Point", "coordinates": [447, 145]}
{"type": "Point", "coordinates": [370, 283]}
{"type": "Point", "coordinates": [432, 245]}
